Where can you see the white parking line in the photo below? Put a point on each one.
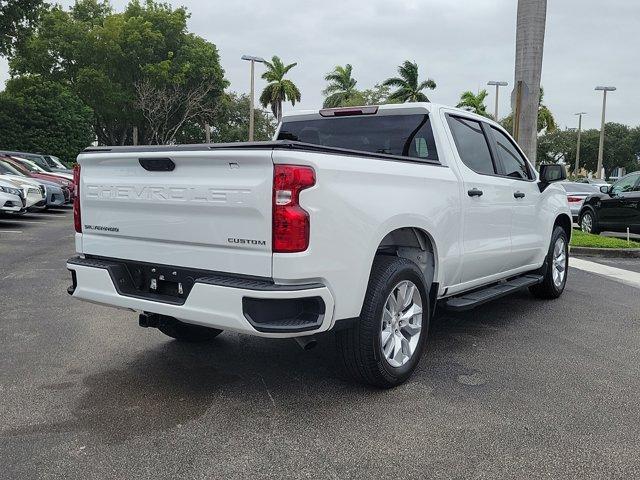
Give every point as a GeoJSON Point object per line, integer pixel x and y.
{"type": "Point", "coordinates": [10, 231]}
{"type": "Point", "coordinates": [618, 274]}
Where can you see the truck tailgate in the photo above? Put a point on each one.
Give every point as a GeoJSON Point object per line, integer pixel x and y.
{"type": "Point", "coordinates": [212, 211]}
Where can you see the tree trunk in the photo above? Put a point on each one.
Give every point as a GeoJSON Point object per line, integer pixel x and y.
{"type": "Point", "coordinates": [531, 19]}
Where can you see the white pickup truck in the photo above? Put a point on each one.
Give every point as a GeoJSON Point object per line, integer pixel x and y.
{"type": "Point", "coordinates": [357, 220]}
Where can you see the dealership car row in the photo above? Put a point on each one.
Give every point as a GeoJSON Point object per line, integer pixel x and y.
{"type": "Point", "coordinates": [33, 182]}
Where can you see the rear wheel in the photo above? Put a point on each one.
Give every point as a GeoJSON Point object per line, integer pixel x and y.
{"type": "Point", "coordinates": [556, 267]}
{"type": "Point", "coordinates": [186, 332]}
{"type": "Point", "coordinates": [385, 345]}
{"type": "Point", "coordinates": [589, 223]}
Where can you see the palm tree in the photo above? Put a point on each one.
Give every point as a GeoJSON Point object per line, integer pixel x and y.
{"type": "Point", "coordinates": [545, 117]}
{"type": "Point", "coordinates": [408, 88]}
{"type": "Point", "coordinates": [341, 90]}
{"type": "Point", "coordinates": [474, 103]}
{"type": "Point", "coordinates": [279, 89]}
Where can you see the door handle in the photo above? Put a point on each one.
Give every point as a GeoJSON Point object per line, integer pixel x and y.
{"type": "Point", "coordinates": [474, 192]}
{"type": "Point", "coordinates": [518, 195]}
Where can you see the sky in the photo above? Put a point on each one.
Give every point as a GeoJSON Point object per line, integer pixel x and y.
{"type": "Point", "coordinates": [461, 44]}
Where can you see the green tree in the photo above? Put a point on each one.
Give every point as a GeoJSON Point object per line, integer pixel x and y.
{"type": "Point", "coordinates": [231, 123]}
{"type": "Point", "coordinates": [341, 91]}
{"type": "Point", "coordinates": [17, 19]}
{"type": "Point", "coordinates": [104, 56]}
{"type": "Point", "coordinates": [409, 89]}
{"type": "Point", "coordinates": [279, 89]}
{"type": "Point", "coordinates": [556, 146]}
{"type": "Point", "coordinates": [378, 95]}
{"type": "Point", "coordinates": [38, 115]}
{"type": "Point", "coordinates": [474, 103]}
{"type": "Point", "coordinates": [546, 121]}
{"type": "Point", "coordinates": [620, 149]}
{"type": "Point", "coordinates": [634, 136]}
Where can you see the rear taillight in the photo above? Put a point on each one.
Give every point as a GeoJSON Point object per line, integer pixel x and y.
{"type": "Point", "coordinates": [77, 222]}
{"type": "Point", "coordinates": [290, 221]}
{"type": "Point", "coordinates": [574, 199]}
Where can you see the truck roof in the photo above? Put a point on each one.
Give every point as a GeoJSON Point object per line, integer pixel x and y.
{"type": "Point", "coordinates": [386, 109]}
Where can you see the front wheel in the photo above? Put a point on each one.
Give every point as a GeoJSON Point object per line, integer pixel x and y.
{"type": "Point", "coordinates": [555, 268]}
{"type": "Point", "coordinates": [589, 223]}
{"type": "Point", "coordinates": [385, 345]}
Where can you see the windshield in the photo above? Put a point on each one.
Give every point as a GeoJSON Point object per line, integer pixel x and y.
{"type": "Point", "coordinates": [9, 169]}
{"type": "Point", "coordinates": [55, 162]}
{"type": "Point", "coordinates": [38, 160]}
{"type": "Point", "coordinates": [402, 135]}
{"type": "Point", "coordinates": [29, 165]}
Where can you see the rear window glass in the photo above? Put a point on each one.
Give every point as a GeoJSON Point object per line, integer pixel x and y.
{"type": "Point", "coordinates": [402, 135]}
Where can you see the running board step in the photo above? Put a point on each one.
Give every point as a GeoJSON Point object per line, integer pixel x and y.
{"type": "Point", "coordinates": [470, 300]}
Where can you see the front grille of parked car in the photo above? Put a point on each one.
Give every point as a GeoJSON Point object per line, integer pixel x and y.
{"type": "Point", "coordinates": [67, 194]}
{"type": "Point", "coordinates": [43, 191]}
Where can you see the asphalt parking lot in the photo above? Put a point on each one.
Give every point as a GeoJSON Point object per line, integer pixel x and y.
{"type": "Point", "coordinates": [520, 388]}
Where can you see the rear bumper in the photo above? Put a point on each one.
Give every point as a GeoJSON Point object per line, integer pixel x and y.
{"type": "Point", "coordinates": [218, 301]}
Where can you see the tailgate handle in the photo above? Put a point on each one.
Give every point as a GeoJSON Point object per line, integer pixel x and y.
{"type": "Point", "coordinates": [157, 164]}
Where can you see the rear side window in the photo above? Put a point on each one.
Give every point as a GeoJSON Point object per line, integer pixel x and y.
{"type": "Point", "coordinates": [513, 162]}
{"type": "Point", "coordinates": [400, 135]}
{"type": "Point", "coordinates": [472, 144]}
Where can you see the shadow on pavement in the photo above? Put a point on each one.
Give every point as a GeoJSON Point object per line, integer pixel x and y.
{"type": "Point", "coordinates": [174, 383]}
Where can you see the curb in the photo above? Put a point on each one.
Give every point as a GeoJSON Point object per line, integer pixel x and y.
{"type": "Point", "coordinates": [605, 252]}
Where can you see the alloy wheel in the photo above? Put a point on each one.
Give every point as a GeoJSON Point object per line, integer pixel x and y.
{"type": "Point", "coordinates": [587, 223]}
{"type": "Point", "coordinates": [559, 269]}
{"type": "Point", "coordinates": [401, 323]}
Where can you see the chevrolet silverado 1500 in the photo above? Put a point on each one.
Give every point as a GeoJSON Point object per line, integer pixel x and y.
{"type": "Point", "coordinates": [358, 219]}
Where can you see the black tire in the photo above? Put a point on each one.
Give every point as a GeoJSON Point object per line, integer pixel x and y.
{"type": "Point", "coordinates": [594, 222]}
{"type": "Point", "coordinates": [360, 345]}
{"type": "Point", "coordinates": [548, 288]}
{"type": "Point", "coordinates": [186, 332]}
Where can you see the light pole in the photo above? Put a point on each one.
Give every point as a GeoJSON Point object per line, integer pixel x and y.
{"type": "Point", "coordinates": [253, 61]}
{"type": "Point", "coordinates": [601, 146]}
{"type": "Point", "coordinates": [578, 144]}
{"type": "Point", "coordinates": [498, 85]}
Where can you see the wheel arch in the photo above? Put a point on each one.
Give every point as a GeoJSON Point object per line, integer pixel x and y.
{"type": "Point", "coordinates": [415, 244]}
{"type": "Point", "coordinates": [585, 208]}
{"type": "Point", "coordinates": [563, 220]}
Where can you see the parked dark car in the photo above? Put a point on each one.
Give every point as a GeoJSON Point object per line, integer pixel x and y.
{"type": "Point", "coordinates": [615, 208]}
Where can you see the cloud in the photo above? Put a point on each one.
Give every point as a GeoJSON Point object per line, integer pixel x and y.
{"type": "Point", "coordinates": [460, 44]}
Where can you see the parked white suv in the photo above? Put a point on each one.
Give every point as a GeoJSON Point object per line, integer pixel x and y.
{"type": "Point", "coordinates": [11, 199]}
{"type": "Point", "coordinates": [354, 219]}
